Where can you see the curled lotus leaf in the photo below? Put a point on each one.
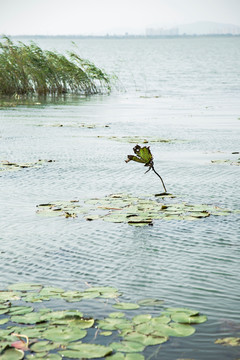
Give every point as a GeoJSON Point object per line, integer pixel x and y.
{"type": "Point", "coordinates": [229, 341]}
{"type": "Point", "coordinates": [86, 351]}
{"type": "Point", "coordinates": [143, 155]}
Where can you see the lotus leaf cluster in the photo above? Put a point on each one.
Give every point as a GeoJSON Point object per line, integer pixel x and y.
{"type": "Point", "coordinates": [136, 211]}
{"type": "Point", "coordinates": [227, 161]}
{"type": "Point", "coordinates": [32, 332]}
{"type": "Point", "coordinates": [11, 166]}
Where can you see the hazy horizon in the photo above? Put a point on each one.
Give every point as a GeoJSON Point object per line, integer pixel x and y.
{"type": "Point", "coordinates": [76, 17]}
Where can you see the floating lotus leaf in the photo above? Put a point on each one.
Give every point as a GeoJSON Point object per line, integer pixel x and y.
{"type": "Point", "coordinates": [145, 340]}
{"type": "Point", "coordinates": [230, 162]}
{"type": "Point", "coordinates": [128, 346]}
{"type": "Point", "coordinates": [12, 354]}
{"type": "Point", "coordinates": [51, 291]}
{"type": "Point", "coordinates": [126, 306]}
{"type": "Point", "coordinates": [183, 318]}
{"type": "Point", "coordinates": [231, 341]}
{"type": "Point", "coordinates": [66, 314]}
{"type": "Point", "coordinates": [35, 297]}
{"type": "Point", "coordinates": [3, 321]}
{"type": "Point", "coordinates": [139, 139]}
{"type": "Point", "coordinates": [64, 334]}
{"type": "Point", "coordinates": [10, 166]}
{"type": "Point", "coordinates": [25, 287]}
{"type": "Point", "coordinates": [114, 324]}
{"type": "Point", "coordinates": [150, 302]}
{"type": "Point", "coordinates": [3, 311]}
{"type": "Point", "coordinates": [106, 292]}
{"type": "Point", "coordinates": [106, 333]}
{"type": "Point", "coordinates": [190, 312]}
{"type": "Point", "coordinates": [140, 319]}
{"type": "Point", "coordinates": [29, 318]}
{"type": "Point", "coordinates": [116, 356]}
{"type": "Point", "coordinates": [116, 315]}
{"type": "Point", "coordinates": [9, 296]}
{"type": "Point", "coordinates": [134, 356]}
{"type": "Point", "coordinates": [42, 346]}
{"type": "Point", "coordinates": [20, 310]}
{"type": "Point", "coordinates": [86, 351]}
{"type": "Point", "coordinates": [30, 332]}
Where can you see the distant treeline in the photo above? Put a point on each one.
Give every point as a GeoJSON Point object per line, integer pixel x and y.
{"type": "Point", "coordinates": [125, 36]}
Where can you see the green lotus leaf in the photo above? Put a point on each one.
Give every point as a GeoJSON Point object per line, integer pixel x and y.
{"type": "Point", "coordinates": [231, 341]}
{"type": "Point", "coordinates": [175, 329]}
{"type": "Point", "coordinates": [38, 356]}
{"type": "Point", "coordinates": [4, 311]}
{"type": "Point", "coordinates": [42, 346]}
{"type": "Point", "coordinates": [20, 310]}
{"type": "Point", "coordinates": [146, 340]}
{"type": "Point", "coordinates": [134, 356]}
{"type": "Point", "coordinates": [12, 354]}
{"type": "Point", "coordinates": [51, 291]}
{"type": "Point", "coordinates": [25, 287]}
{"type": "Point", "coordinates": [106, 333]}
{"type": "Point", "coordinates": [35, 297]}
{"type": "Point", "coordinates": [150, 302]}
{"type": "Point", "coordinates": [3, 321]}
{"type": "Point", "coordinates": [31, 332]}
{"type": "Point", "coordinates": [106, 291]}
{"type": "Point", "coordinates": [126, 306]}
{"type": "Point", "coordinates": [63, 334]}
{"type": "Point", "coordinates": [184, 318]}
{"type": "Point", "coordinates": [116, 315]}
{"type": "Point", "coordinates": [9, 296]}
{"type": "Point", "coordinates": [187, 311]}
{"type": "Point", "coordinates": [4, 344]}
{"type": "Point", "coordinates": [139, 319]}
{"type": "Point", "coordinates": [86, 351]}
{"type": "Point", "coordinates": [80, 323]}
{"type": "Point", "coordinates": [61, 315]}
{"type": "Point", "coordinates": [29, 318]}
{"type": "Point", "coordinates": [114, 324]}
{"type": "Point", "coordinates": [128, 346]}
{"type": "Point", "coordinates": [116, 356]}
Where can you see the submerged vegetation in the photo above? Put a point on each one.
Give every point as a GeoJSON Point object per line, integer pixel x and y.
{"type": "Point", "coordinates": [30, 331]}
{"type": "Point", "coordinates": [27, 69]}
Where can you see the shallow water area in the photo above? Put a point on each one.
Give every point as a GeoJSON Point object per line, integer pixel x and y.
{"type": "Point", "coordinates": [183, 89]}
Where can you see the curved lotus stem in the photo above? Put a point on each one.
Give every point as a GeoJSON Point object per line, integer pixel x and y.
{"type": "Point", "coordinates": [152, 167]}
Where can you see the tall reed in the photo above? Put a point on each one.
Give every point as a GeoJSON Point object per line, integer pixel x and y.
{"type": "Point", "coordinates": [27, 69]}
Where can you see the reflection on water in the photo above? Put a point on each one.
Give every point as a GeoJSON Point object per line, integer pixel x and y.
{"type": "Point", "coordinates": [185, 89]}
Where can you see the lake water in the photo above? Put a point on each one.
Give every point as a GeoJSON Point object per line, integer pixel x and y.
{"type": "Point", "coordinates": [186, 89]}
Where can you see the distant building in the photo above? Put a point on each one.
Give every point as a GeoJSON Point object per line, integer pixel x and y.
{"type": "Point", "coordinates": [162, 32]}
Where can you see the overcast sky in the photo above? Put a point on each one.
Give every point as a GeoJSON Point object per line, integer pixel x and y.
{"type": "Point", "coordinates": [52, 17]}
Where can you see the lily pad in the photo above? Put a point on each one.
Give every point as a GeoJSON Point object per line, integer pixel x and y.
{"type": "Point", "coordinates": [12, 354]}
{"type": "Point", "coordinates": [42, 346]}
{"type": "Point", "coordinates": [150, 302]}
{"type": "Point", "coordinates": [25, 287]}
{"type": "Point", "coordinates": [64, 334]}
{"type": "Point", "coordinates": [128, 346]}
{"type": "Point", "coordinates": [86, 351]}
{"type": "Point", "coordinates": [229, 341]}
{"type": "Point", "coordinates": [126, 306]}
{"type": "Point", "coordinates": [183, 318]}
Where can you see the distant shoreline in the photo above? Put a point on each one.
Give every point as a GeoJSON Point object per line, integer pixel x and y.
{"type": "Point", "coordinates": [120, 36]}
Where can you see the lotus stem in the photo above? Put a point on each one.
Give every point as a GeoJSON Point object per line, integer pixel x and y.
{"type": "Point", "coordinates": [152, 167]}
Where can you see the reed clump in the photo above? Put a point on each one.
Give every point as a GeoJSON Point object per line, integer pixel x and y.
{"type": "Point", "coordinates": [27, 69]}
